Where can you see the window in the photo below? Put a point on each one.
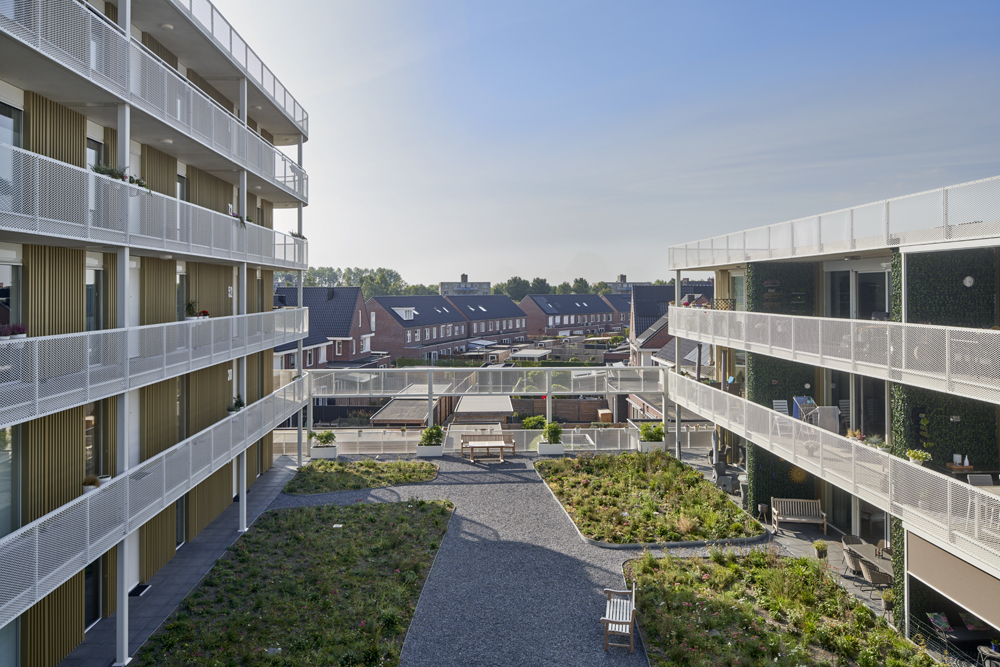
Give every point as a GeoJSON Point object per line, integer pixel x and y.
{"type": "Point", "coordinates": [427, 333]}
{"type": "Point", "coordinates": [435, 330]}
{"type": "Point", "coordinates": [309, 358]}
{"type": "Point", "coordinates": [340, 347]}
{"type": "Point", "coordinates": [9, 493]}
{"type": "Point", "coordinates": [359, 319]}
{"type": "Point", "coordinates": [408, 336]}
{"type": "Point", "coordinates": [354, 347]}
{"type": "Point", "coordinates": [322, 355]}
{"type": "Point", "coordinates": [416, 335]}
{"type": "Point", "coordinates": [498, 325]}
{"type": "Point", "coordinates": [475, 327]}
{"type": "Point", "coordinates": [366, 344]}
{"type": "Point", "coordinates": [93, 297]}
{"type": "Point", "coordinates": [10, 125]}
{"type": "Point", "coordinates": [558, 319]}
{"type": "Point", "coordinates": [463, 329]}
{"type": "Point", "coordinates": [291, 360]}
{"type": "Point", "coordinates": [95, 153]}
{"type": "Point", "coordinates": [373, 321]}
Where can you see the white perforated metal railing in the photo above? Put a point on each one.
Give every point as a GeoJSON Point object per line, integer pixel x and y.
{"type": "Point", "coordinates": [934, 505]}
{"type": "Point", "coordinates": [414, 383]}
{"type": "Point", "coordinates": [40, 195]}
{"type": "Point", "coordinates": [43, 375]}
{"type": "Point", "coordinates": [966, 211]}
{"type": "Point", "coordinates": [79, 38]}
{"type": "Point", "coordinates": [159, 90]}
{"type": "Point", "coordinates": [960, 361]}
{"type": "Point", "coordinates": [41, 556]}
{"type": "Point", "coordinates": [214, 24]}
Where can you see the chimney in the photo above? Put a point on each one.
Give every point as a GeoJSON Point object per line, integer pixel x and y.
{"type": "Point", "coordinates": [465, 277]}
{"type": "Point", "coordinates": [329, 293]}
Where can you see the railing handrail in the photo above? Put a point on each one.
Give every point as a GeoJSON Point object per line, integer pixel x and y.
{"type": "Point", "coordinates": [113, 510]}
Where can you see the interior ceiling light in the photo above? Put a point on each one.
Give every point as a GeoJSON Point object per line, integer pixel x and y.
{"type": "Point", "coordinates": [166, 141]}
{"type": "Point", "coordinates": [256, 187]}
{"type": "Point", "coordinates": [257, 107]}
{"type": "Point", "coordinates": [167, 26]}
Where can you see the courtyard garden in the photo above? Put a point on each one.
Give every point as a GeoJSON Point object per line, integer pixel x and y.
{"type": "Point", "coordinates": [333, 585]}
{"type": "Point", "coordinates": [328, 475]}
{"type": "Point", "coordinates": [758, 608]}
{"type": "Point", "coordinates": [643, 497]}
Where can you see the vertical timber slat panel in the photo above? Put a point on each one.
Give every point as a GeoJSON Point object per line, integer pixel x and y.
{"type": "Point", "coordinates": [208, 284]}
{"type": "Point", "coordinates": [55, 131]}
{"type": "Point", "coordinates": [158, 291]}
{"type": "Point", "coordinates": [53, 626]}
{"type": "Point", "coordinates": [54, 281]}
{"type": "Point", "coordinates": [208, 191]}
{"type": "Point", "coordinates": [159, 170]}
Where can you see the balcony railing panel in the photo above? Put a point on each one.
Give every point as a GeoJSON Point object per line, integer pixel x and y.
{"type": "Point", "coordinates": [965, 211]}
{"type": "Point", "coordinates": [44, 196]}
{"type": "Point", "coordinates": [939, 507]}
{"type": "Point", "coordinates": [78, 37]}
{"type": "Point", "coordinates": [46, 374]}
{"type": "Point", "coordinates": [965, 362]}
{"type": "Point", "coordinates": [43, 555]}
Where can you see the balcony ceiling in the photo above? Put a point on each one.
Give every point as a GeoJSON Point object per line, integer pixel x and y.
{"type": "Point", "coordinates": [197, 51]}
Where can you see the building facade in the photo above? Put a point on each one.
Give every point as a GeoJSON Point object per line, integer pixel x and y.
{"type": "Point", "coordinates": [623, 286]}
{"type": "Point", "coordinates": [493, 317]}
{"type": "Point", "coordinates": [139, 176]}
{"type": "Point", "coordinates": [463, 288]}
{"type": "Point", "coordinates": [417, 327]}
{"type": "Point", "coordinates": [886, 316]}
{"type": "Point", "coordinates": [573, 314]}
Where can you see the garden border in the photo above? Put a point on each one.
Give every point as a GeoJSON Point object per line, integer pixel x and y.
{"type": "Point", "coordinates": [447, 527]}
{"type": "Point", "coordinates": [694, 544]}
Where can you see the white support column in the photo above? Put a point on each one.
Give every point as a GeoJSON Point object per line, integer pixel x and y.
{"type": "Point", "coordinates": [666, 398]}
{"type": "Point", "coordinates": [123, 149]}
{"type": "Point", "coordinates": [300, 151]}
{"type": "Point", "coordinates": [122, 461]}
{"type": "Point", "coordinates": [243, 100]}
{"type": "Point", "coordinates": [300, 356]}
{"type": "Point", "coordinates": [430, 398]}
{"type": "Point", "coordinates": [548, 396]}
{"type": "Point", "coordinates": [855, 515]}
{"type": "Point", "coordinates": [300, 219]}
{"type": "Point", "coordinates": [677, 369]}
{"type": "Point", "coordinates": [125, 16]}
{"type": "Point", "coordinates": [122, 656]}
{"type": "Point", "coordinates": [243, 490]}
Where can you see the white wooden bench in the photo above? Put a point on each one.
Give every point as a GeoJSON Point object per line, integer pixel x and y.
{"type": "Point", "coordinates": [796, 510]}
{"type": "Point", "coordinates": [619, 617]}
{"type": "Point", "coordinates": [487, 442]}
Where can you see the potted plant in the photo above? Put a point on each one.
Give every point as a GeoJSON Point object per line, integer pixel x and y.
{"type": "Point", "coordinates": [995, 644]}
{"type": "Point", "coordinates": [650, 433]}
{"type": "Point", "coordinates": [918, 456]}
{"type": "Point", "coordinates": [190, 309]}
{"type": "Point", "coordinates": [237, 405]}
{"type": "Point", "coordinates": [90, 483]}
{"type": "Point", "coordinates": [877, 442]}
{"type": "Point", "coordinates": [431, 440]}
{"type": "Point", "coordinates": [888, 599]}
{"type": "Point", "coordinates": [821, 548]}
{"type": "Point", "coordinates": [402, 430]}
{"type": "Point", "coordinates": [18, 330]}
{"type": "Point", "coordinates": [203, 315]}
{"type": "Point", "coordinates": [534, 423]}
{"type": "Point", "coordinates": [4, 332]}
{"type": "Point", "coordinates": [552, 444]}
{"type": "Point", "coordinates": [325, 447]}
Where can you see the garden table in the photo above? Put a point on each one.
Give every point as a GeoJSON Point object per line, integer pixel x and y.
{"type": "Point", "coordinates": [867, 551]}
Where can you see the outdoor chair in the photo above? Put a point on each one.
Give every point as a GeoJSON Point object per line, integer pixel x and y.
{"type": "Point", "coordinates": [874, 576]}
{"type": "Point", "coordinates": [852, 561]}
{"type": "Point", "coordinates": [976, 480]}
{"type": "Point", "coordinates": [845, 413]}
{"type": "Point", "coordinates": [782, 424]}
{"type": "Point", "coordinates": [884, 546]}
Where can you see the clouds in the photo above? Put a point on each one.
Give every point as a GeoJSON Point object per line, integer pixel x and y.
{"type": "Point", "coordinates": [567, 139]}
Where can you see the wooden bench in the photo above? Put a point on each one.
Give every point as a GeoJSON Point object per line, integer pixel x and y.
{"type": "Point", "coordinates": [474, 442]}
{"type": "Point", "coordinates": [619, 617]}
{"type": "Point", "coordinates": [795, 510]}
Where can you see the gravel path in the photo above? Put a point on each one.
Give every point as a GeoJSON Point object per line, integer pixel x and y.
{"type": "Point", "coordinates": [512, 583]}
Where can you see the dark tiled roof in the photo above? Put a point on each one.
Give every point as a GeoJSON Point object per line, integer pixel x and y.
{"type": "Point", "coordinates": [332, 311]}
{"type": "Point", "coordinates": [652, 301]}
{"type": "Point", "coordinates": [428, 310]}
{"type": "Point", "coordinates": [651, 331]}
{"type": "Point", "coordinates": [570, 304]}
{"type": "Point", "coordinates": [621, 303]}
{"type": "Point", "coordinates": [666, 353]}
{"type": "Point", "coordinates": [487, 306]}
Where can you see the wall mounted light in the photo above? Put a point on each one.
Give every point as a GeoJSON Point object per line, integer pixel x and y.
{"type": "Point", "coordinates": [968, 281]}
{"type": "Point", "coordinates": [808, 386]}
{"type": "Point", "coordinates": [956, 418]}
{"type": "Point", "coordinates": [167, 26]}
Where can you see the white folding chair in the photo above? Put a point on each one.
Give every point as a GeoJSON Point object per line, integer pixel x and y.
{"type": "Point", "coordinates": [782, 424]}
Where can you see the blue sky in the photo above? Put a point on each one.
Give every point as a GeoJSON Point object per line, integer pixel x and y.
{"type": "Point", "coordinates": [566, 139]}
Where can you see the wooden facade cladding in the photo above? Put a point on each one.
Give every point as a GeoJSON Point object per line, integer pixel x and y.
{"type": "Point", "coordinates": [52, 462]}
{"type": "Point", "coordinates": [111, 140]}
{"type": "Point", "coordinates": [209, 393]}
{"type": "Point", "coordinates": [54, 625]}
{"type": "Point", "coordinates": [209, 284]}
{"type": "Point", "coordinates": [55, 131]}
{"type": "Point", "coordinates": [208, 191]}
{"type": "Point", "coordinates": [208, 500]}
{"type": "Point", "coordinates": [210, 90]}
{"type": "Point", "coordinates": [109, 285]}
{"type": "Point", "coordinates": [157, 291]}
{"type": "Point", "coordinates": [54, 290]}
{"type": "Point", "coordinates": [161, 51]}
{"type": "Point", "coordinates": [159, 170]}
{"type": "Point", "coordinates": [158, 431]}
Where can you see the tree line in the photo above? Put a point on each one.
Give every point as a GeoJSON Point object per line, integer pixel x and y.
{"type": "Point", "coordinates": [373, 282]}
{"type": "Point", "coordinates": [517, 287]}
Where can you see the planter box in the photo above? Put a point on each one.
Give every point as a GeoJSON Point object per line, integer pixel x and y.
{"type": "Point", "coordinates": [430, 450]}
{"type": "Point", "coordinates": [645, 446]}
{"type": "Point", "coordinates": [545, 449]}
{"type": "Point", "coordinates": [324, 452]}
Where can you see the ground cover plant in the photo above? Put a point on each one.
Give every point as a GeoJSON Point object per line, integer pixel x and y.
{"type": "Point", "coordinates": [327, 475]}
{"type": "Point", "coordinates": [643, 497]}
{"type": "Point", "coordinates": [322, 595]}
{"type": "Point", "coordinates": [756, 608]}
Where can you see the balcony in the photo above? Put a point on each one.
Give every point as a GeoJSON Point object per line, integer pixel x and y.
{"type": "Point", "coordinates": [43, 375]}
{"type": "Point", "coordinates": [966, 211]}
{"type": "Point", "coordinates": [948, 359]}
{"type": "Point", "coordinates": [39, 195]}
{"type": "Point", "coordinates": [98, 50]}
{"type": "Point", "coordinates": [43, 555]}
{"type": "Point", "coordinates": [936, 507]}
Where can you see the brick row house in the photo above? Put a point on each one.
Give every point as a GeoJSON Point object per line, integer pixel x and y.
{"type": "Point", "coordinates": [575, 314]}
{"type": "Point", "coordinates": [493, 317]}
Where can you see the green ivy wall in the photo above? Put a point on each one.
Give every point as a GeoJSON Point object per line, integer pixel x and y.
{"type": "Point", "coordinates": [770, 476]}
{"type": "Point", "coordinates": [935, 293]}
{"type": "Point", "coordinates": [788, 288]}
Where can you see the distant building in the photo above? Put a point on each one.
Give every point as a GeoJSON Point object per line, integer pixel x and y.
{"type": "Point", "coordinates": [623, 286]}
{"type": "Point", "coordinates": [464, 288]}
{"type": "Point", "coordinates": [493, 317]}
{"type": "Point", "coordinates": [572, 314]}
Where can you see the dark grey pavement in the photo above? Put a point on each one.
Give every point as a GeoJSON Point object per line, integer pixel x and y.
{"type": "Point", "coordinates": [513, 583]}
{"type": "Point", "coordinates": [178, 577]}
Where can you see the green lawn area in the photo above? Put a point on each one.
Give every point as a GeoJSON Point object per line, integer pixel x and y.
{"type": "Point", "coordinates": [323, 595]}
{"type": "Point", "coordinates": [643, 497]}
{"type": "Point", "coordinates": [756, 609]}
{"type": "Point", "coordinates": [327, 475]}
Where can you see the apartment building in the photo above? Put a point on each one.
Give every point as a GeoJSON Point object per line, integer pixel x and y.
{"type": "Point", "coordinates": [886, 316]}
{"type": "Point", "coordinates": [417, 327]}
{"type": "Point", "coordinates": [493, 318]}
{"type": "Point", "coordinates": [622, 286]}
{"type": "Point", "coordinates": [573, 314]}
{"type": "Point", "coordinates": [340, 330]}
{"type": "Point", "coordinates": [463, 288]}
{"type": "Point", "coordinates": [144, 291]}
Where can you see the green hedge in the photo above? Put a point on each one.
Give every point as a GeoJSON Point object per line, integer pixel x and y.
{"type": "Point", "coordinates": [896, 288]}
{"type": "Point", "coordinates": [788, 288]}
{"type": "Point", "coordinates": [975, 434]}
{"type": "Point", "coordinates": [935, 293]}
